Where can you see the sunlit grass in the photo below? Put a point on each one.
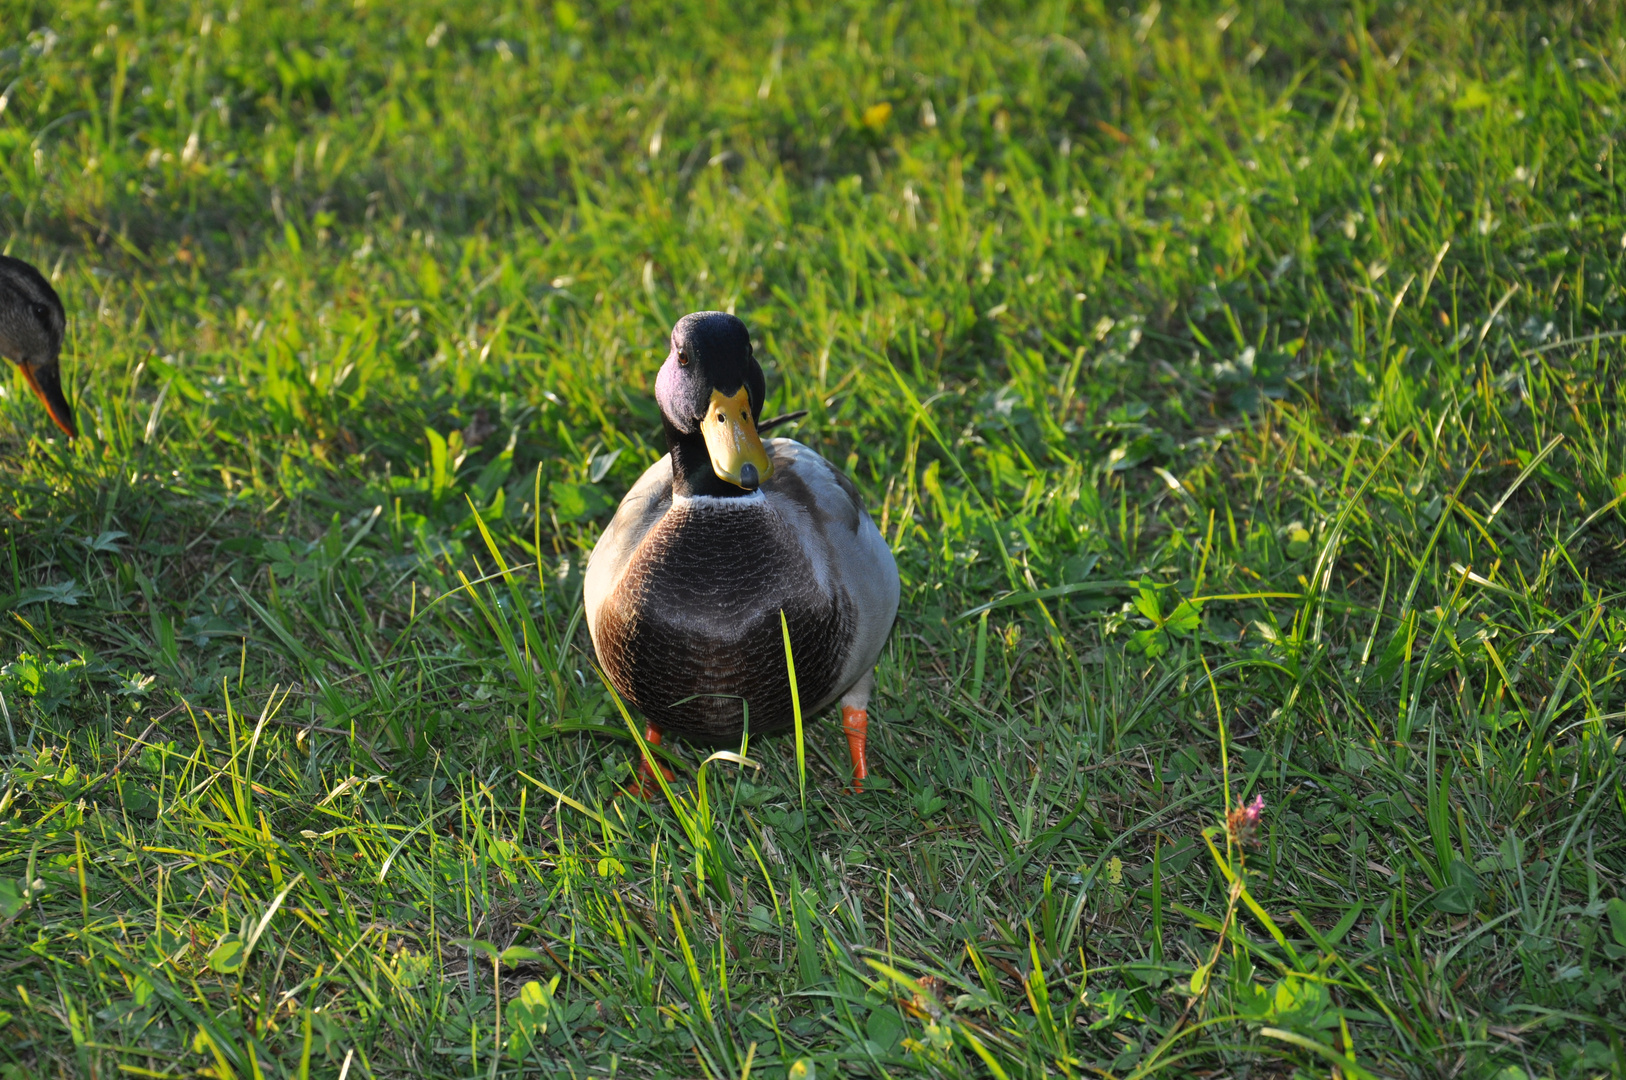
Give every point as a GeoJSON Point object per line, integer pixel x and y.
{"type": "Point", "coordinates": [1238, 387]}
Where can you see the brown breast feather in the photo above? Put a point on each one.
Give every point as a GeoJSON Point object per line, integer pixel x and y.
{"type": "Point", "coordinates": [694, 626]}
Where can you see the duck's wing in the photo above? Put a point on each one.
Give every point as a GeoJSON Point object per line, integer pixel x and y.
{"type": "Point", "coordinates": [847, 551]}
{"type": "Point", "coordinates": [641, 508]}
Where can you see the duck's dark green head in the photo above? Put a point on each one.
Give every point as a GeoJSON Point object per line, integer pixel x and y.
{"type": "Point", "coordinates": [710, 391]}
{"type": "Point", "coordinates": [31, 328]}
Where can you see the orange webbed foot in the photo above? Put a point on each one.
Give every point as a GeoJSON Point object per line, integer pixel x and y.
{"type": "Point", "coordinates": [646, 786]}
{"type": "Point", "coordinates": [855, 725]}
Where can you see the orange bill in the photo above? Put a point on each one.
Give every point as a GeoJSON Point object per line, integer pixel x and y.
{"type": "Point", "coordinates": [46, 382]}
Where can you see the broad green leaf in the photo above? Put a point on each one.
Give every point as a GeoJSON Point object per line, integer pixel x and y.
{"type": "Point", "coordinates": [227, 956]}
{"type": "Point", "coordinates": [439, 475]}
{"type": "Point", "coordinates": [516, 954]}
{"type": "Point", "coordinates": [13, 898]}
{"type": "Point", "coordinates": [1616, 910]}
{"type": "Point", "coordinates": [527, 1016]}
{"type": "Point", "coordinates": [576, 502]}
{"type": "Point", "coordinates": [1146, 602]}
{"type": "Point", "coordinates": [1473, 96]}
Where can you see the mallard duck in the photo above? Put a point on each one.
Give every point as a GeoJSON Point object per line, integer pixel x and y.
{"type": "Point", "coordinates": [31, 326]}
{"type": "Point", "coordinates": [684, 589]}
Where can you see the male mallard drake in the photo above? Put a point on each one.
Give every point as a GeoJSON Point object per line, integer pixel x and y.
{"type": "Point", "coordinates": [31, 326]}
{"type": "Point", "coordinates": [685, 587]}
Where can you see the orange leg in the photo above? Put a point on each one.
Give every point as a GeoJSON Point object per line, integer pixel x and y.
{"type": "Point", "coordinates": [855, 725]}
{"type": "Point", "coordinates": [647, 787]}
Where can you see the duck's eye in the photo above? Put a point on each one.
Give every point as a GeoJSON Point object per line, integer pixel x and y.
{"type": "Point", "coordinates": [43, 315]}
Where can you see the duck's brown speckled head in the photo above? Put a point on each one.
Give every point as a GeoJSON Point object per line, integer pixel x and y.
{"type": "Point", "coordinates": [710, 392]}
{"type": "Point", "coordinates": [31, 328]}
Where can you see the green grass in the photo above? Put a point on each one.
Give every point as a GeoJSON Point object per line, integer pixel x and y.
{"type": "Point", "coordinates": [1238, 388]}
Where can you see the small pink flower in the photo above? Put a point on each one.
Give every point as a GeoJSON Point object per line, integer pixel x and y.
{"type": "Point", "coordinates": [1244, 821]}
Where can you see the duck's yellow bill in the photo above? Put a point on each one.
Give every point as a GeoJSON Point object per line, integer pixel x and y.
{"type": "Point", "coordinates": [737, 454]}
